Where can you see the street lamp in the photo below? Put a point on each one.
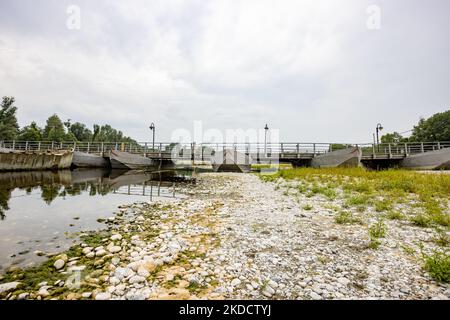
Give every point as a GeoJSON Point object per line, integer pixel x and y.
{"type": "Point", "coordinates": [152, 127]}
{"type": "Point", "coordinates": [378, 128]}
{"type": "Point", "coordinates": [266, 128]}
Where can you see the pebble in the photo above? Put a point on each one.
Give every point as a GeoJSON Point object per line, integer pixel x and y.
{"type": "Point", "coordinates": [9, 286]}
{"type": "Point", "coordinates": [59, 264]}
{"type": "Point", "coordinates": [115, 249]}
{"type": "Point", "coordinates": [136, 279]}
{"type": "Point", "coordinates": [116, 237]}
{"type": "Point", "coordinates": [103, 296]}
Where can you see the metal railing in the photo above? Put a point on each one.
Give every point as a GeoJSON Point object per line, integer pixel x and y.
{"type": "Point", "coordinates": [205, 150]}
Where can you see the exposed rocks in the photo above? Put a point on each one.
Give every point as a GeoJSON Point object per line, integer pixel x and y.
{"type": "Point", "coordinates": [236, 237]}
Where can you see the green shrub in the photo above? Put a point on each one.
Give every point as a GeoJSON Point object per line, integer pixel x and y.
{"type": "Point", "coordinates": [421, 220]}
{"type": "Point", "coordinates": [438, 266]}
{"type": "Point", "coordinates": [377, 230]}
{"type": "Point", "coordinates": [345, 217]}
{"type": "Point", "coordinates": [383, 205]}
{"type": "Point", "coordinates": [394, 215]}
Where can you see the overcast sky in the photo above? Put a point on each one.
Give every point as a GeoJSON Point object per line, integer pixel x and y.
{"type": "Point", "coordinates": [312, 69]}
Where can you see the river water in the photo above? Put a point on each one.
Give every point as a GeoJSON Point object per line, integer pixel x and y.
{"type": "Point", "coordinates": [40, 210]}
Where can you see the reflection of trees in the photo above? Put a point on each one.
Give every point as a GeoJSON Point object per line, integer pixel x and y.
{"type": "Point", "coordinates": [74, 190]}
{"type": "Point", "coordinates": [99, 189]}
{"type": "Point", "coordinates": [5, 195]}
{"type": "Point", "coordinates": [49, 193]}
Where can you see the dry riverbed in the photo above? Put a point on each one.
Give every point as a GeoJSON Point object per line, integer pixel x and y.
{"type": "Point", "coordinates": [235, 237]}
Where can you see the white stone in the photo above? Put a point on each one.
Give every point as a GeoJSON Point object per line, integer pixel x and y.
{"type": "Point", "coordinates": [143, 272]}
{"type": "Point", "coordinates": [59, 264]}
{"type": "Point", "coordinates": [343, 281]}
{"type": "Point", "coordinates": [101, 253]}
{"type": "Point", "coordinates": [115, 249]}
{"type": "Point", "coordinates": [23, 296]}
{"type": "Point", "coordinates": [43, 292]}
{"type": "Point", "coordinates": [5, 287]}
{"type": "Point", "coordinates": [315, 296]}
{"type": "Point", "coordinates": [136, 279]}
{"type": "Point", "coordinates": [235, 282]}
{"type": "Point", "coordinates": [103, 296]}
{"type": "Point", "coordinates": [114, 280]}
{"type": "Point", "coordinates": [116, 237]}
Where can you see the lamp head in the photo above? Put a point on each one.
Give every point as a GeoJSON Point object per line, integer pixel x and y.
{"type": "Point", "coordinates": [266, 127]}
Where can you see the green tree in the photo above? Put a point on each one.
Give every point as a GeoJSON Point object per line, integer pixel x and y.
{"type": "Point", "coordinates": [80, 132]}
{"type": "Point", "coordinates": [54, 129]}
{"type": "Point", "coordinates": [106, 133]}
{"type": "Point", "coordinates": [9, 128]}
{"type": "Point", "coordinates": [435, 128]}
{"type": "Point", "coordinates": [392, 138]}
{"type": "Point", "coordinates": [31, 133]}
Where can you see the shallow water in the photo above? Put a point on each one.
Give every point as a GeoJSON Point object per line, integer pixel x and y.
{"type": "Point", "coordinates": [39, 210]}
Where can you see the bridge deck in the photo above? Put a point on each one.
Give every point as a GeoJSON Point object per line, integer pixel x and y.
{"type": "Point", "coordinates": [270, 151]}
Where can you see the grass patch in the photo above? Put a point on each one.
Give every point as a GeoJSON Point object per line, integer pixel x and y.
{"type": "Point", "coordinates": [438, 265]}
{"type": "Point", "coordinates": [430, 192]}
{"type": "Point", "coordinates": [376, 231]}
{"type": "Point", "coordinates": [421, 220]}
{"type": "Point", "coordinates": [382, 205]}
{"type": "Point", "coordinates": [346, 217]}
{"type": "Point", "coordinates": [394, 215]}
{"type": "Point", "coordinates": [307, 207]}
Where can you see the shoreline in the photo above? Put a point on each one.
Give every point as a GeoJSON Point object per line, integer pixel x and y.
{"type": "Point", "coordinates": [234, 237]}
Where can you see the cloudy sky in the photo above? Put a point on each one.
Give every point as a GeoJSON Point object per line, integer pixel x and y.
{"type": "Point", "coordinates": [312, 69]}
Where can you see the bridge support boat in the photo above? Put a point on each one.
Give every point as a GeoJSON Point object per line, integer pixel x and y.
{"type": "Point", "coordinates": [126, 160]}
{"type": "Point", "coordinates": [431, 160]}
{"type": "Point", "coordinates": [88, 160]}
{"type": "Point", "coordinates": [348, 157]}
{"type": "Point", "coordinates": [231, 161]}
{"type": "Point", "coordinates": [15, 160]}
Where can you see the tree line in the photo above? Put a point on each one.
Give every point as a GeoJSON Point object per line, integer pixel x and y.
{"type": "Point", "coordinates": [54, 130]}
{"type": "Point", "coordinates": [434, 128]}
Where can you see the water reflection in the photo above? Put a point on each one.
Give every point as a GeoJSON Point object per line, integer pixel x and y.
{"type": "Point", "coordinates": [38, 208]}
{"type": "Point", "coordinates": [93, 181]}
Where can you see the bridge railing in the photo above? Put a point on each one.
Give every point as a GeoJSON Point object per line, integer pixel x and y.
{"type": "Point", "coordinates": [205, 150]}
{"type": "Point", "coordinates": [402, 148]}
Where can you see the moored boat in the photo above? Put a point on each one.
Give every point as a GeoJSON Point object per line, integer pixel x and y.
{"type": "Point", "coordinates": [431, 160]}
{"type": "Point", "coordinates": [15, 160]}
{"type": "Point", "coordinates": [125, 160]}
{"type": "Point", "coordinates": [231, 161]}
{"type": "Point", "coordinates": [348, 157]}
{"type": "Point", "coordinates": [88, 160]}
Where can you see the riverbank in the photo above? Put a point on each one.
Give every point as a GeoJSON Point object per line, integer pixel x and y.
{"type": "Point", "coordinates": [238, 237]}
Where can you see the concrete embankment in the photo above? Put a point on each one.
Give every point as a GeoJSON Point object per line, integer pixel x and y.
{"type": "Point", "coordinates": [14, 160]}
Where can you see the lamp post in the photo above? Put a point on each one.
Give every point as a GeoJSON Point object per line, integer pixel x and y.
{"type": "Point", "coordinates": [152, 127]}
{"type": "Point", "coordinates": [378, 129]}
{"type": "Point", "coordinates": [266, 128]}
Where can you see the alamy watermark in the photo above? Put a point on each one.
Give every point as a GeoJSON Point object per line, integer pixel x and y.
{"type": "Point", "coordinates": [73, 21]}
{"type": "Point", "coordinates": [240, 146]}
{"type": "Point", "coordinates": [373, 21]}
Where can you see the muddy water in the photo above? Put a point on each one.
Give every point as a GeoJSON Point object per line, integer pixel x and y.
{"type": "Point", "coordinates": [40, 211]}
